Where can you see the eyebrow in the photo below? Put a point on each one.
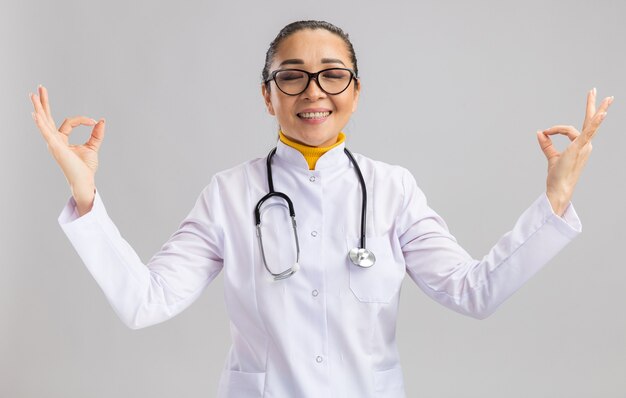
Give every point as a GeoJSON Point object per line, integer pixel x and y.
{"type": "Point", "coordinates": [301, 62]}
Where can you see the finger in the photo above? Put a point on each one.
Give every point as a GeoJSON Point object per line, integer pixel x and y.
{"type": "Point", "coordinates": [43, 127]}
{"type": "Point", "coordinates": [34, 98]}
{"type": "Point", "coordinates": [569, 131]}
{"type": "Point", "coordinates": [97, 135]}
{"type": "Point", "coordinates": [39, 110]}
{"type": "Point", "coordinates": [593, 127]}
{"type": "Point", "coordinates": [71, 122]}
{"type": "Point", "coordinates": [546, 145]}
{"type": "Point", "coordinates": [42, 119]}
{"type": "Point", "coordinates": [591, 107]}
{"type": "Point", "coordinates": [604, 105]}
{"type": "Point", "coordinates": [43, 92]}
{"type": "Point", "coordinates": [594, 123]}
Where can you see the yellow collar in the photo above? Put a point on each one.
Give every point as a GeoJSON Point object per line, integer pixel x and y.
{"type": "Point", "coordinates": [311, 153]}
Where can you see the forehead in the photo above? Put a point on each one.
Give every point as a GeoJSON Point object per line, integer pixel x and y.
{"type": "Point", "coordinates": [311, 46]}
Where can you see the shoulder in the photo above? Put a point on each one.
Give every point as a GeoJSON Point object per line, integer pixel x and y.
{"type": "Point", "coordinates": [390, 178]}
{"type": "Point", "coordinates": [238, 172]}
{"type": "Point", "coordinates": [234, 180]}
{"type": "Point", "coordinates": [383, 170]}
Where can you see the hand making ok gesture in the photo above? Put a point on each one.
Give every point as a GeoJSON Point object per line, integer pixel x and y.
{"type": "Point", "coordinates": [564, 168]}
{"type": "Point", "coordinates": [78, 162]}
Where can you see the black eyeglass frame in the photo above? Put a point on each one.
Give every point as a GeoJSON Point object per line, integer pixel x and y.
{"type": "Point", "coordinates": [310, 75]}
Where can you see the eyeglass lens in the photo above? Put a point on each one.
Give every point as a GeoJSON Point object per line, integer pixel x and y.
{"type": "Point", "coordinates": [332, 81]}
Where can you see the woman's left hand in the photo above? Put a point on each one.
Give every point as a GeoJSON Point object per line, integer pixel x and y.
{"type": "Point", "coordinates": [564, 168]}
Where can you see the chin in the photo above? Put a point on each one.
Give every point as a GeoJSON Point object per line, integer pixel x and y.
{"type": "Point", "coordinates": [312, 135]}
{"type": "Point", "coordinates": [319, 140]}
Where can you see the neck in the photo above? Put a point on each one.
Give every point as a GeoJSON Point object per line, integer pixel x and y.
{"type": "Point", "coordinates": [311, 153]}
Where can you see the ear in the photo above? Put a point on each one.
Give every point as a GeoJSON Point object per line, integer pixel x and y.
{"type": "Point", "coordinates": [357, 92]}
{"type": "Point", "coordinates": [267, 98]}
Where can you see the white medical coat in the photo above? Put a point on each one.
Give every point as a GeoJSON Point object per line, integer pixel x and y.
{"type": "Point", "coordinates": [329, 330]}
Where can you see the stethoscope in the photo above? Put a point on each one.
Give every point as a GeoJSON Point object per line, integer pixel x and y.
{"type": "Point", "coordinates": [360, 256]}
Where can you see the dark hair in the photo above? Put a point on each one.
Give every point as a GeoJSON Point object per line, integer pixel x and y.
{"type": "Point", "coordinates": [301, 25]}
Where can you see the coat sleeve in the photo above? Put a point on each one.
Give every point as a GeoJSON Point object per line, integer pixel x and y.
{"type": "Point", "coordinates": [146, 294]}
{"type": "Point", "coordinates": [450, 276]}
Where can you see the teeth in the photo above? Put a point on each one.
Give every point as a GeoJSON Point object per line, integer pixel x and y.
{"type": "Point", "coordinates": [313, 115]}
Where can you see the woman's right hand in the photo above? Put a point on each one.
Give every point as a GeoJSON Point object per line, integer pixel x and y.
{"type": "Point", "coordinates": [78, 162]}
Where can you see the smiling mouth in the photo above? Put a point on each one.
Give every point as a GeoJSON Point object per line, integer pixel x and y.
{"type": "Point", "coordinates": [314, 115]}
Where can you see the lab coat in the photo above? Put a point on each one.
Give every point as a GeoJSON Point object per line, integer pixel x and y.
{"type": "Point", "coordinates": [328, 330]}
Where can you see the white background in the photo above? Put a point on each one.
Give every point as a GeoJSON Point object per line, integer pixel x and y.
{"type": "Point", "coordinates": [452, 90]}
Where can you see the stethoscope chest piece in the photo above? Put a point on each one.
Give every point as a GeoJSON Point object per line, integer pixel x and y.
{"type": "Point", "coordinates": [362, 257]}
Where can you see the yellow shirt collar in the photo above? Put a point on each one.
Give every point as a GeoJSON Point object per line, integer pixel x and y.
{"type": "Point", "coordinates": [311, 153]}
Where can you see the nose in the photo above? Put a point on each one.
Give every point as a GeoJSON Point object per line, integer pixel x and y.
{"type": "Point", "coordinates": [313, 90]}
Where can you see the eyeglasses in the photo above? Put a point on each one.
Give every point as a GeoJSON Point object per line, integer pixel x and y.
{"type": "Point", "coordinates": [332, 81]}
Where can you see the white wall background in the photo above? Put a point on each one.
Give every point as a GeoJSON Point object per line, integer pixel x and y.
{"type": "Point", "coordinates": [452, 90]}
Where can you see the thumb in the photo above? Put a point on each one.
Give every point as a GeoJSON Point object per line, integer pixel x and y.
{"type": "Point", "coordinates": [97, 135]}
{"type": "Point", "coordinates": [546, 145]}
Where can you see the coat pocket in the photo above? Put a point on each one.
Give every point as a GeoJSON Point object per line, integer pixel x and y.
{"type": "Point", "coordinates": [235, 383]}
{"type": "Point", "coordinates": [389, 381]}
{"type": "Point", "coordinates": [380, 282]}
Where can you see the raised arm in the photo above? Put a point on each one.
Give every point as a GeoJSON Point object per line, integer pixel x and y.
{"type": "Point", "coordinates": [564, 168]}
{"type": "Point", "coordinates": [146, 294]}
{"type": "Point", "coordinates": [476, 287]}
{"type": "Point", "coordinates": [449, 275]}
{"type": "Point", "coordinates": [78, 162]}
{"type": "Point", "coordinates": [140, 294]}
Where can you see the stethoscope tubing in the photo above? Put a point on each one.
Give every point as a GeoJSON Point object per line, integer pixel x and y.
{"type": "Point", "coordinates": [364, 200]}
{"type": "Point", "coordinates": [270, 183]}
{"type": "Point", "coordinates": [360, 256]}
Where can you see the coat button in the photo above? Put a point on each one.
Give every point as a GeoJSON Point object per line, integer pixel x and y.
{"type": "Point", "coordinates": [319, 359]}
{"type": "Point", "coordinates": [315, 292]}
{"type": "Point", "coordinates": [312, 178]}
{"type": "Point", "coordinates": [314, 233]}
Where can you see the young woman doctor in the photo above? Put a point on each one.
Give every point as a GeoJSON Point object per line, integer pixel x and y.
{"type": "Point", "coordinates": [312, 303]}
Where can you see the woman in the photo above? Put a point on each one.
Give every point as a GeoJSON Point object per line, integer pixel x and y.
{"type": "Point", "coordinates": [326, 325]}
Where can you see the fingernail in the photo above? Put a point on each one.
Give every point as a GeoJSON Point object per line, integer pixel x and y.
{"type": "Point", "coordinates": [594, 91]}
{"type": "Point", "coordinates": [94, 121]}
